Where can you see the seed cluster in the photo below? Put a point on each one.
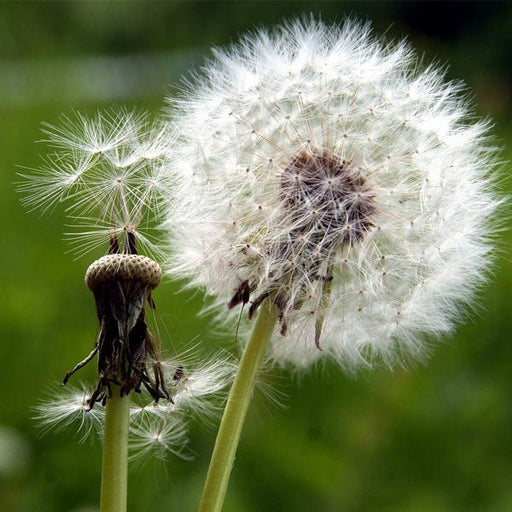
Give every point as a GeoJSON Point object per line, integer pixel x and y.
{"type": "Point", "coordinates": [328, 202]}
{"type": "Point", "coordinates": [325, 170]}
{"type": "Point", "coordinates": [328, 205]}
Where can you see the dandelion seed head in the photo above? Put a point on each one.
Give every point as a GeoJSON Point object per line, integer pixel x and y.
{"type": "Point", "coordinates": [107, 169]}
{"type": "Point", "coordinates": [112, 172]}
{"type": "Point", "coordinates": [321, 168]}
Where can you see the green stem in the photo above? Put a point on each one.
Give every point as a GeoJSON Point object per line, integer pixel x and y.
{"type": "Point", "coordinates": [236, 409]}
{"type": "Point", "coordinates": [114, 475]}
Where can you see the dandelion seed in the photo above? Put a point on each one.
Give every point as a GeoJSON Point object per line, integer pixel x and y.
{"type": "Point", "coordinates": [198, 390]}
{"type": "Point", "coordinates": [71, 408]}
{"type": "Point", "coordinates": [159, 437]}
{"type": "Point", "coordinates": [321, 170]}
{"type": "Point", "coordinates": [109, 171]}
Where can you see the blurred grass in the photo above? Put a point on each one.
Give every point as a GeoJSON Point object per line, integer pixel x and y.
{"type": "Point", "coordinates": [431, 439]}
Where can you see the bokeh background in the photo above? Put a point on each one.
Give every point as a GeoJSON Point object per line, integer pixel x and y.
{"type": "Point", "coordinates": [428, 439]}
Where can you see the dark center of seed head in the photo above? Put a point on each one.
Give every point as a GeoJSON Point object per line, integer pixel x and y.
{"type": "Point", "coordinates": [327, 203]}
{"type": "Point", "coordinates": [326, 197]}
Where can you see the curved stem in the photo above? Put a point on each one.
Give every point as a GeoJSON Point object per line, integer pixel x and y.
{"type": "Point", "coordinates": [236, 409]}
{"type": "Point", "coordinates": [114, 475]}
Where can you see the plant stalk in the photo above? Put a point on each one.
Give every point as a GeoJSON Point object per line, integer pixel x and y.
{"type": "Point", "coordinates": [114, 475]}
{"type": "Point", "coordinates": [232, 421]}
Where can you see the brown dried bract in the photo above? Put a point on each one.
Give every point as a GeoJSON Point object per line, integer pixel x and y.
{"type": "Point", "coordinates": [127, 352]}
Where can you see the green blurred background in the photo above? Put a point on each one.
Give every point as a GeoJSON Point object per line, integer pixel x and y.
{"type": "Point", "coordinates": [430, 439]}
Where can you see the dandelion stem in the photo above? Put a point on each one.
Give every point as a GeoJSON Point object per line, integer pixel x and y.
{"type": "Point", "coordinates": [240, 395]}
{"type": "Point", "coordinates": [115, 453]}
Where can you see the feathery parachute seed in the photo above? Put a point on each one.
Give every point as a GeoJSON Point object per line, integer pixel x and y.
{"type": "Point", "coordinates": [159, 428]}
{"type": "Point", "coordinates": [322, 169]}
{"type": "Point", "coordinates": [110, 170]}
{"type": "Point", "coordinates": [71, 407]}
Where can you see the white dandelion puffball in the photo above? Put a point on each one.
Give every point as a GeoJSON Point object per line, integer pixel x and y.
{"type": "Point", "coordinates": [319, 168]}
{"type": "Point", "coordinates": [108, 169]}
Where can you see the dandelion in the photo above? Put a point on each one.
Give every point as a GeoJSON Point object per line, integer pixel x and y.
{"type": "Point", "coordinates": [335, 187]}
{"type": "Point", "coordinates": [109, 170]}
{"type": "Point", "coordinates": [156, 428]}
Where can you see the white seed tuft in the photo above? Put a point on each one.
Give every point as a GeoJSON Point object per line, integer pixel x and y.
{"type": "Point", "coordinates": [109, 170]}
{"type": "Point", "coordinates": [321, 167]}
{"type": "Point", "coordinates": [71, 408]}
{"type": "Point", "coordinates": [198, 390]}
